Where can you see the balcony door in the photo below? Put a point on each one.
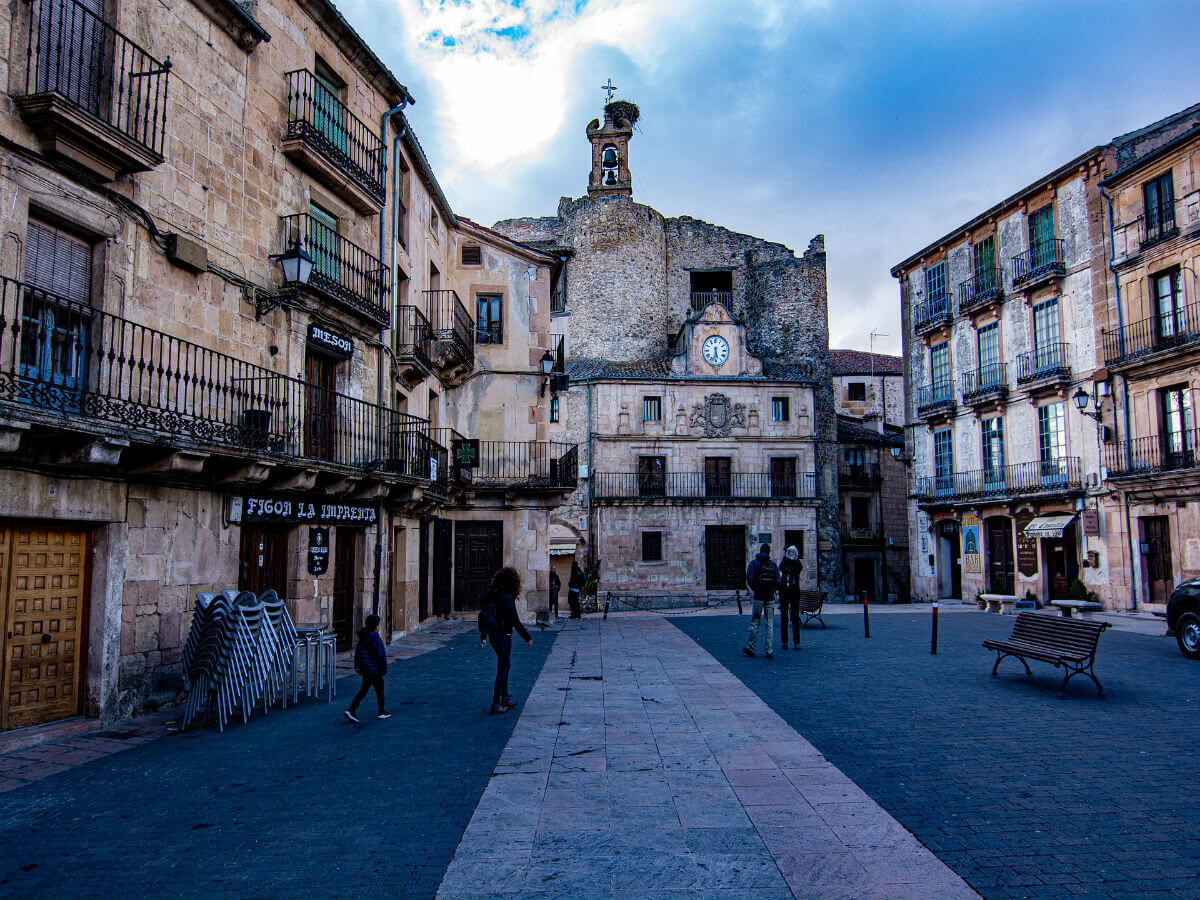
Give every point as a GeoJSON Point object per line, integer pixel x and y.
{"type": "Point", "coordinates": [1160, 206]}
{"type": "Point", "coordinates": [717, 476]}
{"type": "Point", "coordinates": [983, 265]}
{"type": "Point", "coordinates": [320, 407]}
{"type": "Point", "coordinates": [939, 367]}
{"type": "Point", "coordinates": [783, 476]}
{"type": "Point", "coordinates": [1052, 444]}
{"type": "Point", "coordinates": [1041, 238]}
{"type": "Point", "coordinates": [1170, 320]}
{"type": "Point", "coordinates": [329, 116]}
{"type": "Point", "coordinates": [323, 244]}
{"type": "Point", "coordinates": [1178, 438]}
{"type": "Point", "coordinates": [991, 439]}
{"type": "Point", "coordinates": [1047, 334]}
{"type": "Point", "coordinates": [652, 476]}
{"type": "Point", "coordinates": [71, 51]}
{"type": "Point", "coordinates": [55, 327]}
{"type": "Point", "coordinates": [943, 463]}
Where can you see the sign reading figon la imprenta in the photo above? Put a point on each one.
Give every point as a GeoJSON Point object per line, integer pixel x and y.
{"type": "Point", "coordinates": [265, 508]}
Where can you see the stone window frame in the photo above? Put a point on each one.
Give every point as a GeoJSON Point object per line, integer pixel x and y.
{"type": "Point", "coordinates": [654, 534]}
{"type": "Point", "coordinates": [650, 401]}
{"type": "Point", "coordinates": [781, 410]}
{"type": "Point", "coordinates": [851, 391]}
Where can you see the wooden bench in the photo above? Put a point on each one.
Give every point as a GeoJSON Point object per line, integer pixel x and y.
{"type": "Point", "coordinates": [1069, 644]}
{"type": "Point", "coordinates": [810, 606]}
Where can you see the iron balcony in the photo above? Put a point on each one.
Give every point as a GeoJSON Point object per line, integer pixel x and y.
{"type": "Point", "coordinates": [1175, 331]}
{"type": "Point", "coordinates": [934, 399]}
{"type": "Point", "coordinates": [933, 312]}
{"type": "Point", "coordinates": [91, 94]}
{"type": "Point", "coordinates": [981, 291]}
{"type": "Point", "coordinates": [326, 137]}
{"type": "Point", "coordinates": [1042, 261]}
{"type": "Point", "coordinates": [66, 365]}
{"type": "Point", "coordinates": [701, 487]}
{"type": "Point", "coordinates": [1048, 363]}
{"type": "Point", "coordinates": [986, 383]}
{"type": "Point", "coordinates": [867, 475]}
{"type": "Point", "coordinates": [341, 270]}
{"type": "Point", "coordinates": [453, 331]}
{"type": "Point", "coordinates": [413, 343]}
{"type": "Point", "coordinates": [1160, 225]}
{"type": "Point", "coordinates": [1157, 454]}
{"type": "Point", "coordinates": [514, 465]}
{"type": "Point", "coordinates": [701, 299]}
{"type": "Point", "coordinates": [1052, 476]}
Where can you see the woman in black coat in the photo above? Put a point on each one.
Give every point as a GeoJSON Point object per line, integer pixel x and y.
{"type": "Point", "coordinates": [497, 620]}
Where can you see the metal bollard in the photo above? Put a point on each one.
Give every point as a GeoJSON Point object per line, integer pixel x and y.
{"type": "Point", "coordinates": [866, 616]}
{"type": "Point", "coordinates": [607, 600]}
{"type": "Point", "coordinates": [933, 646]}
{"type": "Point", "coordinates": [739, 600]}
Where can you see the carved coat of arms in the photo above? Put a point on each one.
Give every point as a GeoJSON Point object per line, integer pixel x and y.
{"type": "Point", "coordinates": [717, 416]}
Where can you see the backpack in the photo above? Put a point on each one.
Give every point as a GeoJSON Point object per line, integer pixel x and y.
{"type": "Point", "coordinates": [768, 577]}
{"type": "Point", "coordinates": [487, 616]}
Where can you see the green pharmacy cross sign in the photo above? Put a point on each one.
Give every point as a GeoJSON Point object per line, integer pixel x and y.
{"type": "Point", "coordinates": [466, 453]}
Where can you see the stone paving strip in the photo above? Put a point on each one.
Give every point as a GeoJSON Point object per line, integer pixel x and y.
{"type": "Point", "coordinates": [31, 754]}
{"type": "Point", "coordinates": [641, 768]}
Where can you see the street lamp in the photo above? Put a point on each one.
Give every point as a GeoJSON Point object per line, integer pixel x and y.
{"type": "Point", "coordinates": [1081, 398]}
{"type": "Point", "coordinates": [295, 263]}
{"type": "Point", "coordinates": [547, 368]}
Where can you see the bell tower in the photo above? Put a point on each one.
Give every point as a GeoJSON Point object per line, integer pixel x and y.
{"type": "Point", "coordinates": [610, 147]}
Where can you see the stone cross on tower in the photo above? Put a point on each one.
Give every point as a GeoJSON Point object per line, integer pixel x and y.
{"type": "Point", "coordinates": [609, 89]}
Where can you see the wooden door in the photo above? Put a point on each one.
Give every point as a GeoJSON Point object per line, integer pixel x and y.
{"type": "Point", "coordinates": [423, 572]}
{"type": "Point", "coordinates": [320, 407]}
{"type": "Point", "coordinates": [263, 565]}
{"type": "Point", "coordinates": [43, 583]}
{"type": "Point", "coordinates": [1156, 558]}
{"type": "Point", "coordinates": [717, 476]}
{"type": "Point", "coordinates": [478, 554]}
{"type": "Point", "coordinates": [345, 556]}
{"type": "Point", "coordinates": [399, 601]}
{"type": "Point", "coordinates": [1001, 576]}
{"type": "Point", "coordinates": [443, 561]}
{"type": "Point", "coordinates": [864, 578]}
{"type": "Point", "coordinates": [725, 557]}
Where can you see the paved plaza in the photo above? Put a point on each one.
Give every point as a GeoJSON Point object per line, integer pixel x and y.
{"type": "Point", "coordinates": [649, 759]}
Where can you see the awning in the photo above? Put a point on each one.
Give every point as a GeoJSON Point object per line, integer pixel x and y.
{"type": "Point", "coordinates": [1048, 526]}
{"type": "Point", "coordinates": [563, 549]}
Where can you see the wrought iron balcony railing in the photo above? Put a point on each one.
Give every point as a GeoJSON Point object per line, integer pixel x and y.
{"type": "Point", "coordinates": [861, 475]}
{"type": "Point", "coordinates": [1177, 329]}
{"type": "Point", "coordinates": [930, 399]}
{"type": "Point", "coordinates": [341, 270]}
{"type": "Point", "coordinates": [933, 311]}
{"type": "Point", "coordinates": [1015, 480]}
{"type": "Point", "coordinates": [1154, 455]}
{"type": "Point", "coordinates": [317, 117]}
{"type": "Point", "coordinates": [545, 465]}
{"type": "Point", "coordinates": [1045, 259]}
{"type": "Point", "coordinates": [984, 288]}
{"type": "Point", "coordinates": [413, 339]}
{"type": "Point", "coordinates": [1159, 225]}
{"type": "Point", "coordinates": [701, 486]}
{"type": "Point", "coordinates": [701, 299]}
{"type": "Point", "coordinates": [453, 330]}
{"type": "Point", "coordinates": [59, 356]}
{"type": "Point", "coordinates": [75, 54]}
{"type": "Point", "coordinates": [1045, 363]}
{"type": "Point", "coordinates": [984, 383]}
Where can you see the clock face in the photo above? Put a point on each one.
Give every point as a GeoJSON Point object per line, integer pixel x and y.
{"type": "Point", "coordinates": [716, 350]}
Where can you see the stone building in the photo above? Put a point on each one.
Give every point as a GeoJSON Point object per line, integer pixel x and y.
{"type": "Point", "coordinates": [234, 352]}
{"type": "Point", "coordinates": [868, 392]}
{"type": "Point", "coordinates": [1150, 347]}
{"type": "Point", "coordinates": [699, 388]}
{"type": "Point", "coordinates": [1005, 369]}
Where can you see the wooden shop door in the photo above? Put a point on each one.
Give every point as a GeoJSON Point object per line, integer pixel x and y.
{"type": "Point", "coordinates": [263, 565]}
{"type": "Point", "coordinates": [1156, 558]}
{"type": "Point", "coordinates": [345, 555]}
{"type": "Point", "coordinates": [478, 554]}
{"type": "Point", "coordinates": [43, 586]}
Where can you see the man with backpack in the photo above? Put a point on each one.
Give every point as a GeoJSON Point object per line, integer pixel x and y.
{"type": "Point", "coordinates": [762, 577]}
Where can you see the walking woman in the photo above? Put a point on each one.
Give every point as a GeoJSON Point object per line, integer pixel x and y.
{"type": "Point", "coordinates": [574, 587]}
{"type": "Point", "coordinates": [790, 568]}
{"type": "Point", "coordinates": [497, 620]}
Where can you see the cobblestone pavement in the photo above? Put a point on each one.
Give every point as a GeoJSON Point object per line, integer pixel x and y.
{"type": "Point", "coordinates": [31, 754]}
{"type": "Point", "coordinates": [298, 803]}
{"type": "Point", "coordinates": [641, 768]}
{"type": "Point", "coordinates": [1022, 794]}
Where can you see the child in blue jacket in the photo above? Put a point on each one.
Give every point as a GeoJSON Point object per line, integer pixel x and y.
{"type": "Point", "coordinates": [370, 661]}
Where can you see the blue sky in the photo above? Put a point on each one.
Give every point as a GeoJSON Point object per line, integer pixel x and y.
{"type": "Point", "coordinates": [880, 124]}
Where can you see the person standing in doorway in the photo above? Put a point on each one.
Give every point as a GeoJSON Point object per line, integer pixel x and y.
{"type": "Point", "coordinates": [790, 568]}
{"type": "Point", "coordinates": [574, 587]}
{"type": "Point", "coordinates": [555, 588]}
{"type": "Point", "coordinates": [497, 620]}
{"type": "Point", "coordinates": [762, 577]}
{"type": "Point", "coordinates": [370, 661]}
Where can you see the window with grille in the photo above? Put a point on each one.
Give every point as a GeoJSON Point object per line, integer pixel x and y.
{"type": "Point", "coordinates": [856, 391]}
{"type": "Point", "coordinates": [55, 327]}
{"type": "Point", "coordinates": [652, 546]}
{"type": "Point", "coordinates": [935, 283]}
{"type": "Point", "coordinates": [991, 436]}
{"type": "Point", "coordinates": [652, 409]}
{"type": "Point", "coordinates": [489, 311]}
{"type": "Point", "coordinates": [472, 255]}
{"type": "Point", "coordinates": [780, 409]}
{"type": "Point", "coordinates": [943, 461]}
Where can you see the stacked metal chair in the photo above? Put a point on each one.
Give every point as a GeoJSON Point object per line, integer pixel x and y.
{"type": "Point", "coordinates": [240, 652]}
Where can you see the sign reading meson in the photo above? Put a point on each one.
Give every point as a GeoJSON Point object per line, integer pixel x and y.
{"type": "Point", "coordinates": [275, 509]}
{"type": "Point", "coordinates": [330, 341]}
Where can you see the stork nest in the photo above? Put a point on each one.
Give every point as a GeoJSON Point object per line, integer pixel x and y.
{"type": "Point", "coordinates": [623, 109]}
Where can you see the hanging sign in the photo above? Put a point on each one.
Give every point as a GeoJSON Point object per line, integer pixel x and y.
{"type": "Point", "coordinates": [972, 561]}
{"type": "Point", "coordinates": [318, 551]}
{"type": "Point", "coordinates": [1091, 522]}
{"type": "Point", "coordinates": [260, 508]}
{"type": "Point", "coordinates": [330, 341]}
{"type": "Point", "coordinates": [465, 453]}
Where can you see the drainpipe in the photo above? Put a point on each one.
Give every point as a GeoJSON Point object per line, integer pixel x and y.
{"type": "Point", "coordinates": [1133, 566]}
{"type": "Point", "coordinates": [379, 532]}
{"type": "Point", "coordinates": [592, 537]}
